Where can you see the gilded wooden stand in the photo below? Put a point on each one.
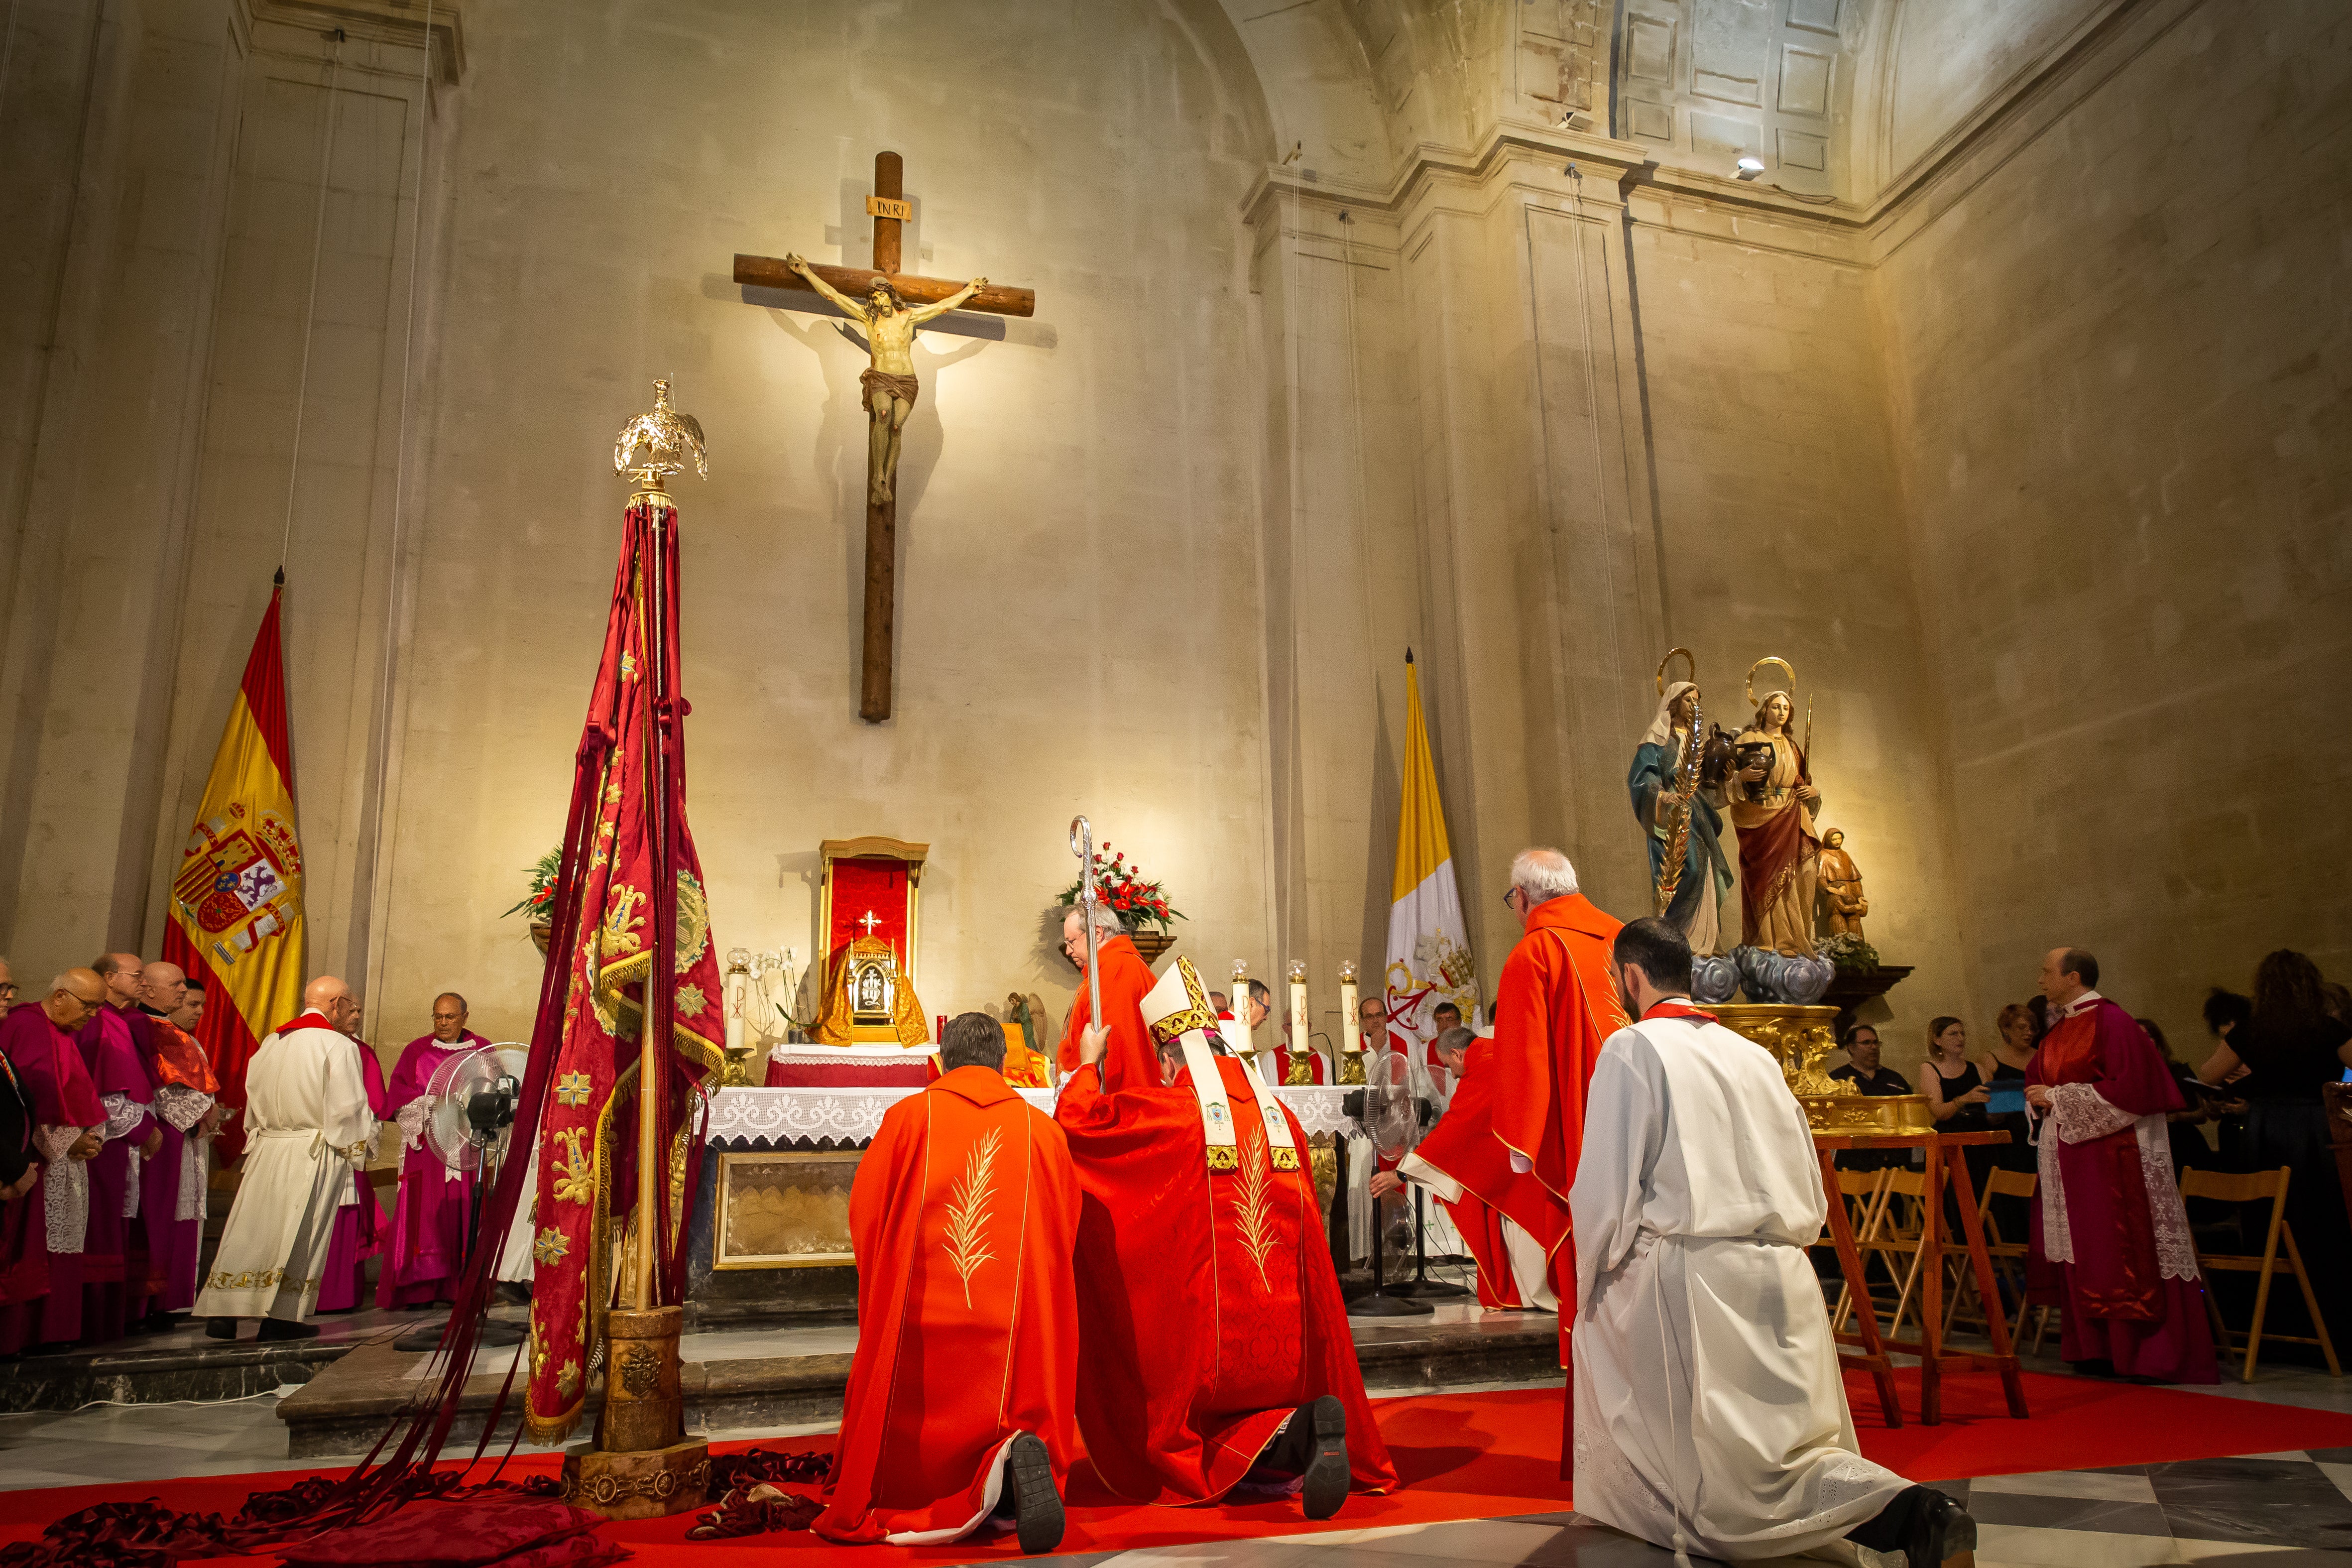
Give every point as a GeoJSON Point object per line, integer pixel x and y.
{"type": "Point", "coordinates": [641, 1465]}
{"type": "Point", "coordinates": [1800, 1038]}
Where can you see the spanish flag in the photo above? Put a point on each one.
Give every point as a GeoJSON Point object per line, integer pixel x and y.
{"type": "Point", "coordinates": [1429, 957]}
{"type": "Point", "coordinates": [236, 900]}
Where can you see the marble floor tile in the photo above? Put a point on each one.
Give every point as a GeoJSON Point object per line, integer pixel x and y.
{"type": "Point", "coordinates": [2030, 1547]}
{"type": "Point", "coordinates": [1276, 1552]}
{"type": "Point", "coordinates": [1464, 1540]}
{"type": "Point", "coordinates": [2084, 1484]}
{"type": "Point", "coordinates": [2256, 1500]}
{"type": "Point", "coordinates": [2043, 1511]}
{"type": "Point", "coordinates": [2340, 1473]}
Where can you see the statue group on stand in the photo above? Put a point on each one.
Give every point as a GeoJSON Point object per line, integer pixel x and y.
{"type": "Point", "coordinates": [1685, 776]}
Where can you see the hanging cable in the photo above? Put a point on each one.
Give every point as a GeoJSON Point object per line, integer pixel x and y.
{"type": "Point", "coordinates": [383, 747]}
{"type": "Point", "coordinates": [311, 306]}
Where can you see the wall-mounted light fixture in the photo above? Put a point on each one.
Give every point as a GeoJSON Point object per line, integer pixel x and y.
{"type": "Point", "coordinates": [1750, 166]}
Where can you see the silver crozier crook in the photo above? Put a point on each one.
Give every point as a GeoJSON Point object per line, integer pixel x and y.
{"type": "Point", "coordinates": [1082, 845]}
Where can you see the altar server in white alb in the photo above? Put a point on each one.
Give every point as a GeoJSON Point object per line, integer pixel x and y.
{"type": "Point", "coordinates": [307, 1128]}
{"type": "Point", "coordinates": [1709, 1415]}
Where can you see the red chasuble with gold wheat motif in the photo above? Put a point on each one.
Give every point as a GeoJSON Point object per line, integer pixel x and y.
{"type": "Point", "coordinates": [962, 1216]}
{"type": "Point", "coordinates": [1207, 1303]}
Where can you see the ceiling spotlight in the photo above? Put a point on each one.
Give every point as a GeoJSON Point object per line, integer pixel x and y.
{"type": "Point", "coordinates": [1750, 166]}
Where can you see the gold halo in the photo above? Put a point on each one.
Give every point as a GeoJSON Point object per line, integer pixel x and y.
{"type": "Point", "coordinates": [1688, 656]}
{"type": "Point", "coordinates": [1784, 664]}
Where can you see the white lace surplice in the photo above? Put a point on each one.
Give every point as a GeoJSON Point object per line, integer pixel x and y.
{"type": "Point", "coordinates": [65, 1188]}
{"type": "Point", "coordinates": [1709, 1412]}
{"type": "Point", "coordinates": [2081, 1113]}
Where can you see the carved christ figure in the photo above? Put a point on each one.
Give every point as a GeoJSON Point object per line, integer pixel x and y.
{"type": "Point", "coordinates": [889, 381]}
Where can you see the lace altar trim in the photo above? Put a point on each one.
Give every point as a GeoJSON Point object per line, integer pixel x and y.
{"type": "Point", "coordinates": [844, 1116]}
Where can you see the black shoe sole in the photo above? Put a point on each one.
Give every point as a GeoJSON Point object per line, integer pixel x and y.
{"type": "Point", "coordinates": [1037, 1507]}
{"type": "Point", "coordinates": [220, 1328]}
{"type": "Point", "coordinates": [1325, 1485]}
{"type": "Point", "coordinates": [1949, 1532]}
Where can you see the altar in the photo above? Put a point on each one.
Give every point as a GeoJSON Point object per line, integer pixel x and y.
{"type": "Point", "coordinates": [768, 1231]}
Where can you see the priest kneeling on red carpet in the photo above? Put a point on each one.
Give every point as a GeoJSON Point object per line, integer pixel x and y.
{"type": "Point", "coordinates": [1710, 1418]}
{"type": "Point", "coordinates": [958, 1415]}
{"type": "Point", "coordinates": [1217, 1350]}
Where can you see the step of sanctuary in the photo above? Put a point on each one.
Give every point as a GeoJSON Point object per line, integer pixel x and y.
{"type": "Point", "coordinates": [794, 1373]}
{"type": "Point", "coordinates": [182, 1364]}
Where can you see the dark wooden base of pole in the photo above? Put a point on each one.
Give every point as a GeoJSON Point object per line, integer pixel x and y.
{"type": "Point", "coordinates": [650, 1484]}
{"type": "Point", "coordinates": [642, 1465]}
{"type": "Point", "coordinates": [881, 608]}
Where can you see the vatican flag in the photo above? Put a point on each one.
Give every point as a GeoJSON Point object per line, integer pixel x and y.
{"type": "Point", "coordinates": [1429, 957]}
{"type": "Point", "coordinates": [237, 899]}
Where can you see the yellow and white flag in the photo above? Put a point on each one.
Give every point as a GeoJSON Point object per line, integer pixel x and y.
{"type": "Point", "coordinates": [1429, 957]}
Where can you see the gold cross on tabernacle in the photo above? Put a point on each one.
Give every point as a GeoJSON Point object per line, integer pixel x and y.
{"type": "Point", "coordinates": [869, 922]}
{"type": "Point", "coordinates": [889, 209]}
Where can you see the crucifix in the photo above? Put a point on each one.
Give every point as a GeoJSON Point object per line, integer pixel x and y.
{"type": "Point", "coordinates": [890, 306]}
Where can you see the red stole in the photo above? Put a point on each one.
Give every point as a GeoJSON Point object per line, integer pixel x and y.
{"type": "Point", "coordinates": [1206, 1298]}
{"type": "Point", "coordinates": [964, 1215]}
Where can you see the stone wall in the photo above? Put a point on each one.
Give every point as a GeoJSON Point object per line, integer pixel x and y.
{"type": "Point", "coordinates": [2122, 365]}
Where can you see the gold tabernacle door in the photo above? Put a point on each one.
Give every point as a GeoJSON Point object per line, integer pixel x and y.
{"type": "Point", "coordinates": [868, 921]}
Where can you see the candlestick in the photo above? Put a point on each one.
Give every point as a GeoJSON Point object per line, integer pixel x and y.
{"type": "Point", "coordinates": [1237, 1031]}
{"type": "Point", "coordinates": [1301, 1050]}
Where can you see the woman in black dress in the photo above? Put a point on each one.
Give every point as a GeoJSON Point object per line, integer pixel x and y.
{"type": "Point", "coordinates": [1956, 1098]}
{"type": "Point", "coordinates": [2293, 1046]}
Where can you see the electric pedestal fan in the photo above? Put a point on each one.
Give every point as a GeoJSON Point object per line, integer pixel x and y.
{"type": "Point", "coordinates": [1385, 1111]}
{"type": "Point", "coordinates": [471, 1116]}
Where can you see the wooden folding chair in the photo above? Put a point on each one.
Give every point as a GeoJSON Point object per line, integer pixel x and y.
{"type": "Point", "coordinates": [1865, 1194]}
{"type": "Point", "coordinates": [1893, 1233]}
{"type": "Point", "coordinates": [2252, 1188]}
{"type": "Point", "coordinates": [2002, 1251]}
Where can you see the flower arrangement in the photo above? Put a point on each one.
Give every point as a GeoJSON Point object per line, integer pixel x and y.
{"type": "Point", "coordinates": [541, 899]}
{"type": "Point", "coordinates": [1125, 892]}
{"type": "Point", "coordinates": [1849, 952]}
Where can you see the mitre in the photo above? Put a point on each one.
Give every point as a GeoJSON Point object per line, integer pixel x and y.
{"type": "Point", "coordinates": [1178, 1014]}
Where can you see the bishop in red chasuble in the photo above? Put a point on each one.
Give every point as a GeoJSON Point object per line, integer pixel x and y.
{"type": "Point", "coordinates": [959, 1411]}
{"type": "Point", "coordinates": [1215, 1340]}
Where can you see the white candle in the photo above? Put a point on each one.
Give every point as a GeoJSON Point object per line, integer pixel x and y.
{"type": "Point", "coordinates": [1298, 1046]}
{"type": "Point", "coordinates": [1350, 1025]}
{"type": "Point", "coordinates": [1238, 1031]}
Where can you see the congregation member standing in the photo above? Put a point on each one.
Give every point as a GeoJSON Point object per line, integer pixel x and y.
{"type": "Point", "coordinates": [48, 1217]}
{"type": "Point", "coordinates": [2110, 1240]}
{"type": "Point", "coordinates": [1710, 1416]}
{"type": "Point", "coordinates": [1214, 1342]}
{"type": "Point", "coordinates": [1513, 1228]}
{"type": "Point", "coordinates": [117, 1277]}
{"type": "Point", "coordinates": [307, 1128]}
{"type": "Point", "coordinates": [2291, 1044]}
{"type": "Point", "coordinates": [429, 1240]}
{"type": "Point", "coordinates": [959, 1406]}
{"type": "Point", "coordinates": [171, 1187]}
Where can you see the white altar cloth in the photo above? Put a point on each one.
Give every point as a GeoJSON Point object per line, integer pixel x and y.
{"type": "Point", "coordinates": [843, 1117]}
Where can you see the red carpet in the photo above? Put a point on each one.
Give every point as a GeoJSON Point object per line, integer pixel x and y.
{"type": "Point", "coordinates": [1470, 1456]}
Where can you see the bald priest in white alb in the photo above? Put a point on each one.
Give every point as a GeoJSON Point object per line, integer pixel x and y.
{"type": "Point", "coordinates": [307, 1128]}
{"type": "Point", "coordinates": [1710, 1418]}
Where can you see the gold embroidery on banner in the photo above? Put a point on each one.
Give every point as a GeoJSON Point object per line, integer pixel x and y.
{"type": "Point", "coordinates": [567, 1380]}
{"type": "Point", "coordinates": [551, 1245]}
{"type": "Point", "coordinates": [575, 1177]}
{"type": "Point", "coordinates": [967, 1235]}
{"type": "Point", "coordinates": [574, 1088]}
{"type": "Point", "coordinates": [1253, 1219]}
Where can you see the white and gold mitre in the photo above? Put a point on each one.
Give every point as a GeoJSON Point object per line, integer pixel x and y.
{"type": "Point", "coordinates": [1178, 1014]}
{"type": "Point", "coordinates": [1178, 1004]}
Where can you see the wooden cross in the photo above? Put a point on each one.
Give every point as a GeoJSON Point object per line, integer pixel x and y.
{"type": "Point", "coordinates": [889, 210]}
{"type": "Point", "coordinates": [869, 922]}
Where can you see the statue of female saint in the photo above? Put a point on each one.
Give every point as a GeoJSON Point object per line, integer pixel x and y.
{"type": "Point", "coordinates": [1779, 845]}
{"type": "Point", "coordinates": [1663, 784]}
